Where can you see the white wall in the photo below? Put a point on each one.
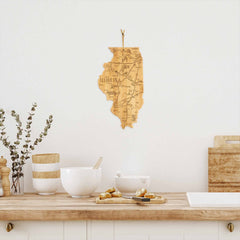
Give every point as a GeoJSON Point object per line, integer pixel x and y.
{"type": "Point", "coordinates": [52, 52]}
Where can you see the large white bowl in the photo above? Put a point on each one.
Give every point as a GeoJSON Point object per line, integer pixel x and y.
{"type": "Point", "coordinates": [130, 184]}
{"type": "Point", "coordinates": [80, 181]}
{"type": "Point", "coordinates": [46, 186]}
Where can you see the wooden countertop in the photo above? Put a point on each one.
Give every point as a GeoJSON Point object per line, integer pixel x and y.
{"type": "Point", "coordinates": [61, 207]}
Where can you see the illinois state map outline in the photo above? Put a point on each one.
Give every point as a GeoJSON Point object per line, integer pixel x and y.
{"type": "Point", "coordinates": [122, 83]}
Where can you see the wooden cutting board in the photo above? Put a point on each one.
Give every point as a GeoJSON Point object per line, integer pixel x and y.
{"type": "Point", "coordinates": [224, 165]}
{"type": "Point", "coordinates": [115, 200]}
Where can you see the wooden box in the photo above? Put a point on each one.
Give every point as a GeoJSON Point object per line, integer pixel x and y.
{"type": "Point", "coordinates": [224, 165]}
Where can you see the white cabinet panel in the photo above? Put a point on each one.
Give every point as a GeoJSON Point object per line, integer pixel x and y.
{"type": "Point", "coordinates": [166, 230]}
{"type": "Point", "coordinates": [100, 230]}
{"type": "Point", "coordinates": [75, 230]}
{"type": "Point", "coordinates": [42, 230]}
{"type": "Point", "coordinates": [224, 233]}
{"type": "Point", "coordinates": [31, 230]}
{"type": "Point", "coordinates": [196, 230]}
{"type": "Point", "coordinates": [150, 230]}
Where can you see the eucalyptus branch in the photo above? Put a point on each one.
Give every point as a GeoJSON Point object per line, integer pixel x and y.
{"type": "Point", "coordinates": [25, 153]}
{"type": "Point", "coordinates": [43, 133]}
{"type": "Point", "coordinates": [27, 147]}
{"type": "Point", "coordinates": [12, 147]}
{"type": "Point", "coordinates": [16, 165]}
{"type": "Point", "coordinates": [19, 127]}
{"type": "Point", "coordinates": [4, 138]}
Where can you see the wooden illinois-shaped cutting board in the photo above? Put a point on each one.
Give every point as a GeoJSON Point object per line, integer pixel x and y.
{"type": "Point", "coordinates": [224, 165]}
{"type": "Point", "coordinates": [122, 83]}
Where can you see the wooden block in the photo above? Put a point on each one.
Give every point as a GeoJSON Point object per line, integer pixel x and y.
{"type": "Point", "coordinates": [224, 165]}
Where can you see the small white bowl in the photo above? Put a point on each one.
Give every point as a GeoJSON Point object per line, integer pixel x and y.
{"type": "Point", "coordinates": [48, 167]}
{"type": "Point", "coordinates": [46, 186]}
{"type": "Point", "coordinates": [80, 181]}
{"type": "Point", "coordinates": [130, 184]}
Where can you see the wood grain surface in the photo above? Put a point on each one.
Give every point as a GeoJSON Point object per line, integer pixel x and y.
{"type": "Point", "coordinates": [3, 163]}
{"type": "Point", "coordinates": [122, 83]}
{"type": "Point", "coordinates": [224, 165]}
{"type": "Point", "coordinates": [227, 141]}
{"type": "Point", "coordinates": [5, 171]}
{"type": "Point", "coordinates": [63, 208]}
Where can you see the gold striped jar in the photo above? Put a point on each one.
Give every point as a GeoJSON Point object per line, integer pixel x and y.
{"type": "Point", "coordinates": [46, 173]}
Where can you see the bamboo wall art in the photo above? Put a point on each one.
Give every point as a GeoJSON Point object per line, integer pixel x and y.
{"type": "Point", "coordinates": [122, 83]}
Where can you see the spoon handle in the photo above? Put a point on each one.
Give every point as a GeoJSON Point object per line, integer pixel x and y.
{"type": "Point", "coordinates": [98, 163]}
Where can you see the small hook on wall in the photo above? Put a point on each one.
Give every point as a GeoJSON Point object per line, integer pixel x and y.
{"type": "Point", "coordinates": [123, 35]}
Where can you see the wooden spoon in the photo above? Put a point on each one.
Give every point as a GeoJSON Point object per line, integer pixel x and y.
{"type": "Point", "coordinates": [98, 163]}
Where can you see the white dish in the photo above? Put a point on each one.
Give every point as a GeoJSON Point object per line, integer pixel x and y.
{"type": "Point", "coordinates": [46, 186]}
{"type": "Point", "coordinates": [80, 181]}
{"type": "Point", "coordinates": [48, 167]}
{"type": "Point", "coordinates": [206, 199]}
{"type": "Point", "coordinates": [130, 184]}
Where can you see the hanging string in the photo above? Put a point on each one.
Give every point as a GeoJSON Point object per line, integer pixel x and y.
{"type": "Point", "coordinates": [123, 35]}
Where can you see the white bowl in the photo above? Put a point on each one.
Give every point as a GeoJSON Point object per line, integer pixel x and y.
{"type": "Point", "coordinates": [46, 186]}
{"type": "Point", "coordinates": [80, 181]}
{"type": "Point", "coordinates": [130, 184]}
{"type": "Point", "coordinates": [48, 167]}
